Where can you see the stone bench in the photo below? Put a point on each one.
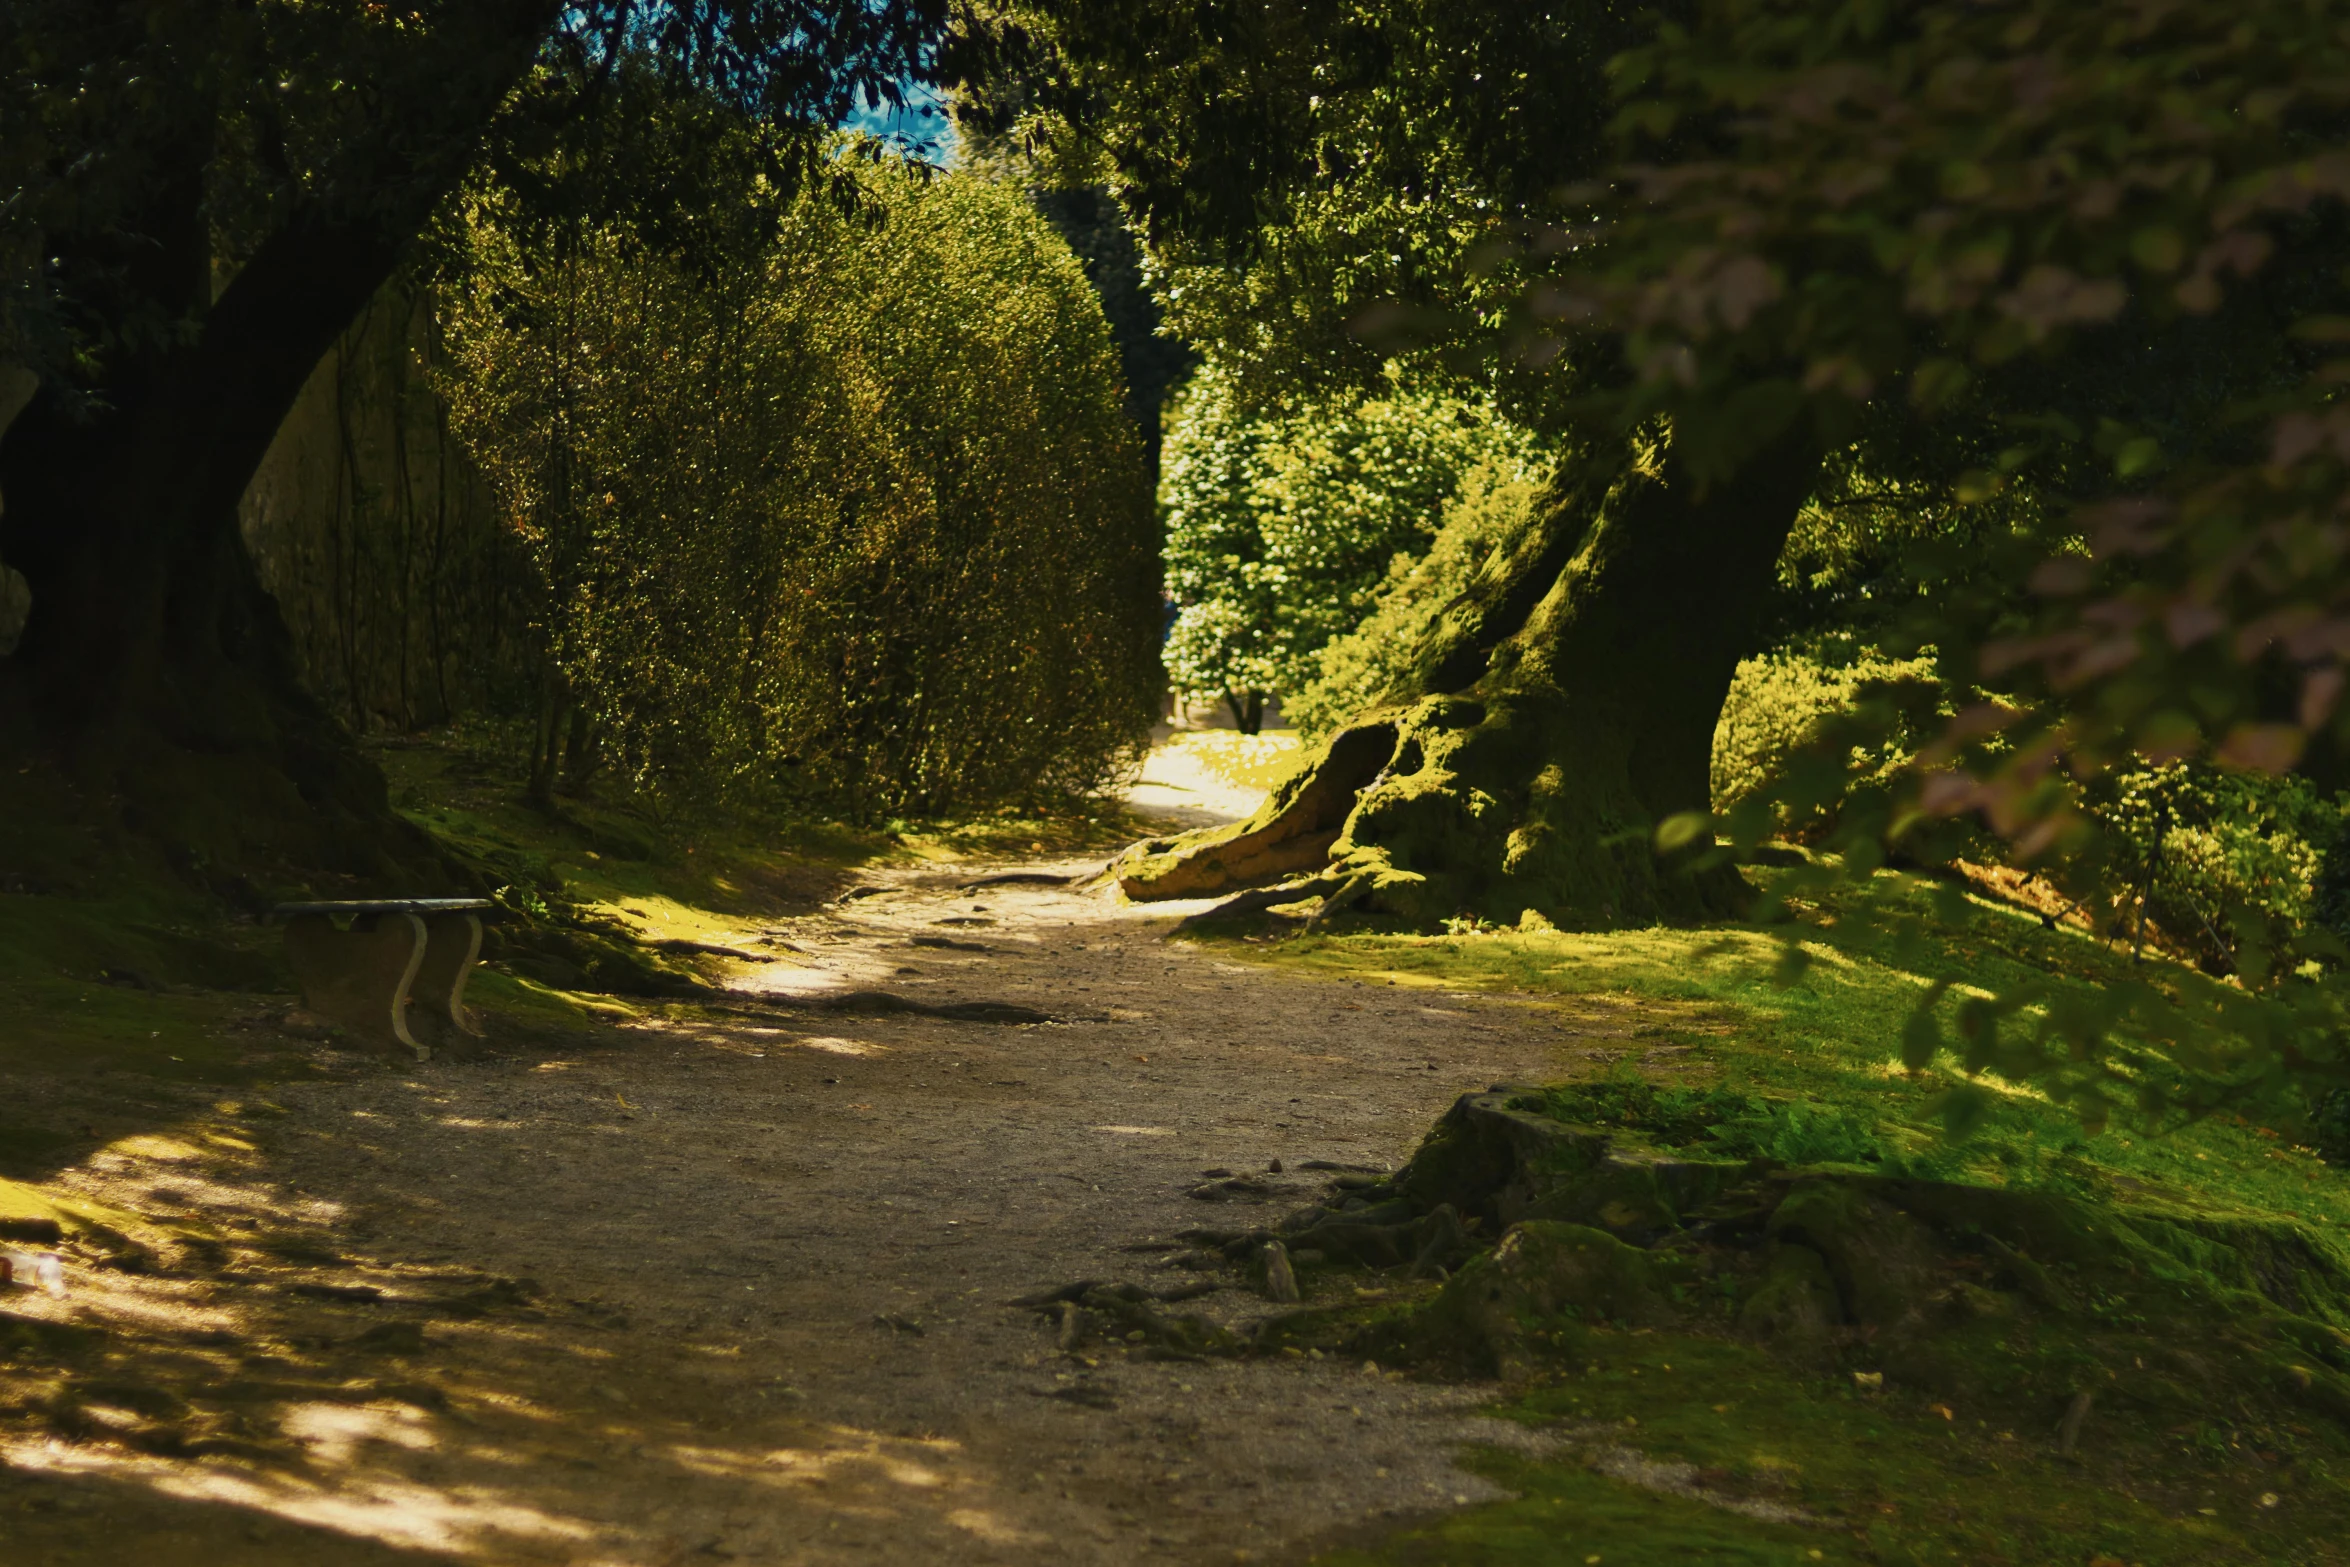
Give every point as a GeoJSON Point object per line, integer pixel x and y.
{"type": "Point", "coordinates": [392, 970]}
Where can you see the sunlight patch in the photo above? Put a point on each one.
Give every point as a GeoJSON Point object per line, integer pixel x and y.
{"type": "Point", "coordinates": [992, 1529]}
{"type": "Point", "coordinates": [838, 1046]}
{"type": "Point", "coordinates": [334, 1432]}
{"type": "Point", "coordinates": [379, 1507]}
{"type": "Point", "coordinates": [151, 1146]}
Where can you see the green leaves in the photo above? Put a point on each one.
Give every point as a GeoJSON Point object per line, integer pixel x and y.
{"type": "Point", "coordinates": [1678, 832]}
{"type": "Point", "coordinates": [1282, 523]}
{"type": "Point", "coordinates": [854, 517]}
{"type": "Point", "coordinates": [1921, 1033]}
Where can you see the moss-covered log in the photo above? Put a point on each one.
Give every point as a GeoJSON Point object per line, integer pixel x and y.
{"type": "Point", "coordinates": [1554, 714]}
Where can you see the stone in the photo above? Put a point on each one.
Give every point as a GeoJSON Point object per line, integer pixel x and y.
{"type": "Point", "coordinates": [1545, 1280]}
{"type": "Point", "coordinates": [1886, 1265]}
{"type": "Point", "coordinates": [1280, 1277]}
{"type": "Point", "coordinates": [1796, 1309]}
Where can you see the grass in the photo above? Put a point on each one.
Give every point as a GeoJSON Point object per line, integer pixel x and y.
{"type": "Point", "coordinates": [1887, 1479]}
{"type": "Point", "coordinates": [1703, 1025]}
{"type": "Point", "coordinates": [1715, 1000]}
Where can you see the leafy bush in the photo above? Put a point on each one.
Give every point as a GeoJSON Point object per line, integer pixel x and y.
{"type": "Point", "coordinates": [851, 515]}
{"type": "Point", "coordinates": [1778, 703]}
{"type": "Point", "coordinates": [1282, 524]}
{"type": "Point", "coordinates": [2231, 864]}
{"type": "Point", "coordinates": [1353, 672]}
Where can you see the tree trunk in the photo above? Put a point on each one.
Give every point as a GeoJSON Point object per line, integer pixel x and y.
{"type": "Point", "coordinates": [1558, 711]}
{"type": "Point", "coordinates": [153, 664]}
{"type": "Point", "coordinates": [1247, 709]}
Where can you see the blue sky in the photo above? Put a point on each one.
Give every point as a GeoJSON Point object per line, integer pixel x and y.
{"type": "Point", "coordinates": [922, 121]}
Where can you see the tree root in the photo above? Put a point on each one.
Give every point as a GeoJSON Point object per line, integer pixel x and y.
{"type": "Point", "coordinates": [1293, 831]}
{"type": "Point", "coordinates": [1262, 898]}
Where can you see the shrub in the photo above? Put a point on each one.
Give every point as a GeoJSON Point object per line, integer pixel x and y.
{"type": "Point", "coordinates": [1354, 672]}
{"type": "Point", "coordinates": [853, 517]}
{"type": "Point", "coordinates": [2231, 864]}
{"type": "Point", "coordinates": [1778, 702]}
{"type": "Point", "coordinates": [1282, 524]}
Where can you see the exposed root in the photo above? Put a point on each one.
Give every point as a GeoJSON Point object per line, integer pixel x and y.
{"type": "Point", "coordinates": [1293, 831]}
{"type": "Point", "coordinates": [1263, 898]}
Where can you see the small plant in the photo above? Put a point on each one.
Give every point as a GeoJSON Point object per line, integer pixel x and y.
{"type": "Point", "coordinates": [523, 900]}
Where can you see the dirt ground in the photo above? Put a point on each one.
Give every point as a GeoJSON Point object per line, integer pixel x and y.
{"type": "Point", "coordinates": [736, 1289]}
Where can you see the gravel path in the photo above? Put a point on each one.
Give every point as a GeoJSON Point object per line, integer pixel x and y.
{"type": "Point", "coordinates": [770, 1255]}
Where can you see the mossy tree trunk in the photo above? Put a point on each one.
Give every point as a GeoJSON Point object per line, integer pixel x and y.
{"type": "Point", "coordinates": [1557, 712]}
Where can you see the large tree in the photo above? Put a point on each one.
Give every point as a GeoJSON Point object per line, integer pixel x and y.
{"type": "Point", "coordinates": [2017, 249]}
{"type": "Point", "coordinates": [1302, 166]}
{"type": "Point", "coordinates": [203, 197]}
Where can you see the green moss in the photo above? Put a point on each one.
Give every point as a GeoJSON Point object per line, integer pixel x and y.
{"type": "Point", "coordinates": [1809, 1070]}
{"type": "Point", "coordinates": [2191, 1279]}
{"type": "Point", "coordinates": [1886, 1477]}
{"type": "Point", "coordinates": [1565, 1515]}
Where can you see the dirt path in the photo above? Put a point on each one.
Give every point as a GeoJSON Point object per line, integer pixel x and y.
{"type": "Point", "coordinates": [772, 1256]}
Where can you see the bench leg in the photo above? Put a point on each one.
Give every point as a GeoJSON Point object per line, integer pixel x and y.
{"type": "Point", "coordinates": [452, 943]}
{"type": "Point", "coordinates": [360, 977]}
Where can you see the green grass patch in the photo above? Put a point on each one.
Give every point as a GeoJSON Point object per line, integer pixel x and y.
{"type": "Point", "coordinates": [1709, 1009]}
{"type": "Point", "coordinates": [1700, 1044]}
{"type": "Point", "coordinates": [1882, 1477]}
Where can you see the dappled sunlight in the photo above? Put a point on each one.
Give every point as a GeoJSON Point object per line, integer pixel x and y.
{"type": "Point", "coordinates": [833, 1044]}
{"type": "Point", "coordinates": [377, 1507]}
{"type": "Point", "coordinates": [758, 1270]}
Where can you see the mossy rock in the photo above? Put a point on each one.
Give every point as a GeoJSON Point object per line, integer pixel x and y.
{"type": "Point", "coordinates": [1541, 1285]}
{"type": "Point", "coordinates": [2019, 1298]}
{"type": "Point", "coordinates": [1886, 1265]}
{"type": "Point", "coordinates": [1796, 1309]}
{"type": "Point", "coordinates": [1494, 1161]}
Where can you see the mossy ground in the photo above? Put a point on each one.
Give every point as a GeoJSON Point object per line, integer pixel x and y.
{"type": "Point", "coordinates": [1889, 1476]}
{"type": "Point", "coordinates": [1693, 1023]}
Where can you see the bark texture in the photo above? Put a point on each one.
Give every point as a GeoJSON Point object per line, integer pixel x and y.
{"type": "Point", "coordinates": [1557, 712]}
{"type": "Point", "coordinates": [153, 664]}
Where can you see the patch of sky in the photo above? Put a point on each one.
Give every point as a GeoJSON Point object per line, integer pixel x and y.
{"type": "Point", "coordinates": [916, 127]}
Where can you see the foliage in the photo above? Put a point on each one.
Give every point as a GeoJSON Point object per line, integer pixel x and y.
{"type": "Point", "coordinates": [1356, 671]}
{"type": "Point", "coordinates": [1281, 524]}
{"type": "Point", "coordinates": [854, 517]}
{"type": "Point", "coordinates": [2091, 253]}
{"type": "Point", "coordinates": [1776, 707]}
{"type": "Point", "coordinates": [1295, 165]}
{"type": "Point", "coordinates": [2216, 859]}
{"type": "Point", "coordinates": [145, 143]}
{"type": "Point", "coordinates": [2227, 862]}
